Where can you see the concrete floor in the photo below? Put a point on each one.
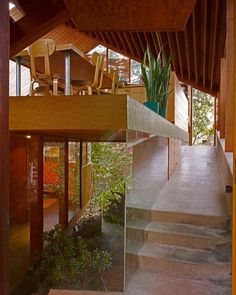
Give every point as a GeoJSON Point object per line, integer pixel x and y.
{"type": "Point", "coordinates": [196, 186]}
{"type": "Point", "coordinates": [195, 192]}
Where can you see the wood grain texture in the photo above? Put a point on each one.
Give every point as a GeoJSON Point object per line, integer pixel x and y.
{"type": "Point", "coordinates": [181, 107]}
{"type": "Point", "coordinates": [37, 22]}
{"type": "Point", "coordinates": [222, 98]}
{"type": "Point", "coordinates": [163, 15]}
{"type": "Point", "coordinates": [65, 34]}
{"type": "Point", "coordinates": [4, 145]}
{"type": "Point", "coordinates": [229, 131]}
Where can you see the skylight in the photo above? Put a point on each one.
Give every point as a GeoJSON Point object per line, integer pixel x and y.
{"type": "Point", "coordinates": [11, 5]}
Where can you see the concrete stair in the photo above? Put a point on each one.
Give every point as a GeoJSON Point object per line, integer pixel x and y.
{"type": "Point", "coordinates": [210, 221]}
{"type": "Point", "coordinates": [184, 235]}
{"type": "Point", "coordinates": [178, 242]}
{"type": "Point", "coordinates": [152, 256]}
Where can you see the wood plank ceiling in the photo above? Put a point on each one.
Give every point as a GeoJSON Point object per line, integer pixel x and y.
{"type": "Point", "coordinates": [194, 35]}
{"type": "Point", "coordinates": [196, 51]}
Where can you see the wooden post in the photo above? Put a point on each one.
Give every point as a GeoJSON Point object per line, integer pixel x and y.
{"type": "Point", "coordinates": [63, 204]}
{"type": "Point", "coordinates": [233, 285]}
{"type": "Point", "coordinates": [222, 97]}
{"type": "Point", "coordinates": [190, 114]}
{"type": "Point", "coordinates": [36, 204]}
{"type": "Point", "coordinates": [214, 127]}
{"type": "Point", "coordinates": [4, 145]}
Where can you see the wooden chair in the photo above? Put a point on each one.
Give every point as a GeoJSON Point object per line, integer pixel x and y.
{"type": "Point", "coordinates": [115, 81]}
{"type": "Point", "coordinates": [81, 86]}
{"type": "Point", "coordinates": [48, 83]}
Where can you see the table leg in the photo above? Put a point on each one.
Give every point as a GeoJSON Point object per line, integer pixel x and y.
{"type": "Point", "coordinates": [67, 73]}
{"type": "Point", "coordinates": [18, 76]}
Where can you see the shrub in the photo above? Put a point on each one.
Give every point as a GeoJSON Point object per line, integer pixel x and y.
{"type": "Point", "coordinates": [67, 263]}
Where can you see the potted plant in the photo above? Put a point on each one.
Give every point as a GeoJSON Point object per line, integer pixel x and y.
{"type": "Point", "coordinates": [156, 76]}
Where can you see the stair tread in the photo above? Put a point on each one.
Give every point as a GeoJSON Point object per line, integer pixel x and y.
{"type": "Point", "coordinates": [176, 253]}
{"type": "Point", "coordinates": [177, 229]}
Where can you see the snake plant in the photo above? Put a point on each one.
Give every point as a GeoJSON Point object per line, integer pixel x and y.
{"type": "Point", "coordinates": [156, 76]}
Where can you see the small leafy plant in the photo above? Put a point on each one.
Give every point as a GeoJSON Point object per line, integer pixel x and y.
{"type": "Point", "coordinates": [67, 263]}
{"type": "Point", "coordinates": [156, 76]}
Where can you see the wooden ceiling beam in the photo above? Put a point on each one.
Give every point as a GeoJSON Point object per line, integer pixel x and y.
{"type": "Point", "coordinates": [123, 41]}
{"type": "Point", "coordinates": [214, 43]}
{"type": "Point", "coordinates": [36, 23]}
{"type": "Point", "coordinates": [204, 30]}
{"type": "Point", "coordinates": [141, 42]}
{"type": "Point", "coordinates": [129, 42]}
{"type": "Point", "coordinates": [155, 42]}
{"type": "Point", "coordinates": [101, 37]}
{"type": "Point", "coordinates": [136, 44]}
{"type": "Point", "coordinates": [179, 54]}
{"type": "Point", "coordinates": [195, 46]}
{"type": "Point", "coordinates": [172, 52]}
{"type": "Point", "coordinates": [110, 41]}
{"type": "Point", "coordinates": [187, 53]}
{"type": "Point", "coordinates": [116, 40]}
{"type": "Point", "coordinates": [212, 92]}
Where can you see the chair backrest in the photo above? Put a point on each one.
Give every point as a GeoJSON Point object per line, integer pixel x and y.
{"type": "Point", "coordinates": [98, 61]}
{"type": "Point", "coordinates": [41, 48]}
{"type": "Point", "coordinates": [115, 81]}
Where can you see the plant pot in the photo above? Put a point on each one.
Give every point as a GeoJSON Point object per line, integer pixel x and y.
{"type": "Point", "coordinates": [162, 112]}
{"type": "Point", "coordinates": [152, 105]}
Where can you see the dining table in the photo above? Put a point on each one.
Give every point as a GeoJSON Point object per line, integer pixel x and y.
{"type": "Point", "coordinates": [66, 59]}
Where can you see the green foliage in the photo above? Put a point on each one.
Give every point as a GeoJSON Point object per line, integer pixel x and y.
{"type": "Point", "coordinates": [203, 108]}
{"type": "Point", "coordinates": [156, 76]}
{"type": "Point", "coordinates": [67, 263]}
{"type": "Point", "coordinates": [111, 163]}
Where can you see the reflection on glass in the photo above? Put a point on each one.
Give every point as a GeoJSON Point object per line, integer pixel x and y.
{"type": "Point", "coordinates": [19, 214]}
{"type": "Point", "coordinates": [111, 178]}
{"type": "Point", "coordinates": [120, 63]}
{"type": "Point", "coordinates": [149, 175]}
{"type": "Point", "coordinates": [74, 179]}
{"type": "Point", "coordinates": [135, 72]}
{"type": "Point", "coordinates": [53, 182]}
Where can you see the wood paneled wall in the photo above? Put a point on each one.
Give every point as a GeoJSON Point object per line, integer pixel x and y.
{"type": "Point", "coordinates": [177, 107]}
{"type": "Point", "coordinates": [4, 184]}
{"type": "Point", "coordinates": [18, 203]}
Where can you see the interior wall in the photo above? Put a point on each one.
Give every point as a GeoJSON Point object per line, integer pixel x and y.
{"type": "Point", "coordinates": [18, 201]}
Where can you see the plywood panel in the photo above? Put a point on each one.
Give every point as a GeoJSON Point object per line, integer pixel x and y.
{"type": "Point", "coordinates": [137, 92]}
{"type": "Point", "coordinates": [130, 15]}
{"type": "Point", "coordinates": [181, 107]}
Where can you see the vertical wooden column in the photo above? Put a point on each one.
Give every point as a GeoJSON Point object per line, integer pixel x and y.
{"type": "Point", "coordinates": [4, 145]}
{"type": "Point", "coordinates": [80, 173]}
{"type": "Point", "coordinates": [215, 123]}
{"type": "Point", "coordinates": [190, 115]}
{"type": "Point", "coordinates": [63, 211]}
{"type": "Point", "coordinates": [229, 134]}
{"type": "Point", "coordinates": [36, 204]}
{"type": "Point", "coordinates": [222, 97]}
{"type": "Point", "coordinates": [233, 288]}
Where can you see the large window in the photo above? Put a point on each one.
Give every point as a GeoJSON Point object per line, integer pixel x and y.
{"type": "Point", "coordinates": [129, 70]}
